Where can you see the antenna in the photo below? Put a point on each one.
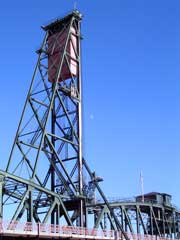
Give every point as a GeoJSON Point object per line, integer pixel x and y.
{"type": "Point", "coordinates": [75, 5]}
{"type": "Point", "coordinates": [142, 186]}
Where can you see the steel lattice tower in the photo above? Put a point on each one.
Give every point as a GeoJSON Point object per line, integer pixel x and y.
{"type": "Point", "coordinates": [48, 145]}
{"type": "Point", "coordinates": [47, 179]}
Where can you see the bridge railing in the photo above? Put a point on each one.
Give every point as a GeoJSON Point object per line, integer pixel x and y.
{"type": "Point", "coordinates": [43, 229]}
{"type": "Point", "coordinates": [70, 230]}
{"type": "Point", "coordinates": [15, 228]}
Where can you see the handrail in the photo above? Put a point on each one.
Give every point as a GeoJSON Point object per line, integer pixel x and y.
{"type": "Point", "coordinates": [15, 228]}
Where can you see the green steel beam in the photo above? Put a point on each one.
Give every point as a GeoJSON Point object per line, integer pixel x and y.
{"type": "Point", "coordinates": [100, 217]}
{"type": "Point", "coordinates": [1, 195]}
{"type": "Point", "coordinates": [41, 189]}
{"type": "Point", "coordinates": [51, 209]}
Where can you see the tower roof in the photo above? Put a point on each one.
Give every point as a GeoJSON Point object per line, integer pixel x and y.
{"type": "Point", "coordinates": [65, 19]}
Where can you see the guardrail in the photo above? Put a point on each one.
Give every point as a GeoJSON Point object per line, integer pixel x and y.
{"type": "Point", "coordinates": [41, 230]}
{"type": "Point", "coordinates": [127, 200]}
{"type": "Point", "coordinates": [8, 228]}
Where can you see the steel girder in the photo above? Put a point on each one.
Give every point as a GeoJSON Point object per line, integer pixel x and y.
{"type": "Point", "coordinates": [46, 178]}
{"type": "Point", "coordinates": [141, 218]}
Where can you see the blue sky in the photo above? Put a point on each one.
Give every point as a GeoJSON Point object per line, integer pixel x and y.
{"type": "Point", "coordinates": [131, 75]}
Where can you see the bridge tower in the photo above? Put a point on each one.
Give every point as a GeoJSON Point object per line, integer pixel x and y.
{"type": "Point", "coordinates": [47, 180]}
{"type": "Point", "coordinates": [47, 149]}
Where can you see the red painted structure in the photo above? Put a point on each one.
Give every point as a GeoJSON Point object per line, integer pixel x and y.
{"type": "Point", "coordinates": [56, 45]}
{"type": "Point", "coordinates": [42, 231]}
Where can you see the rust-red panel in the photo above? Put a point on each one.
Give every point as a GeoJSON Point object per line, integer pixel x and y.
{"type": "Point", "coordinates": [56, 44]}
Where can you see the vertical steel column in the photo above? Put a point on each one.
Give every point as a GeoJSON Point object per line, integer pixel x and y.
{"type": "Point", "coordinates": [137, 220]}
{"type": "Point", "coordinates": [174, 224]}
{"type": "Point", "coordinates": [30, 207]}
{"type": "Point", "coordinates": [1, 196]}
{"type": "Point", "coordinates": [53, 119]}
{"type": "Point", "coordinates": [151, 221]}
{"type": "Point", "coordinates": [57, 214]}
{"type": "Point", "coordinates": [122, 218]}
{"type": "Point", "coordinates": [105, 220]}
{"type": "Point", "coordinates": [163, 222]}
{"type": "Point", "coordinates": [80, 130]}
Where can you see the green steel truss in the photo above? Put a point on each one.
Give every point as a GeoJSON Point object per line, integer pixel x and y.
{"type": "Point", "coordinates": [144, 218]}
{"type": "Point", "coordinates": [47, 178]}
